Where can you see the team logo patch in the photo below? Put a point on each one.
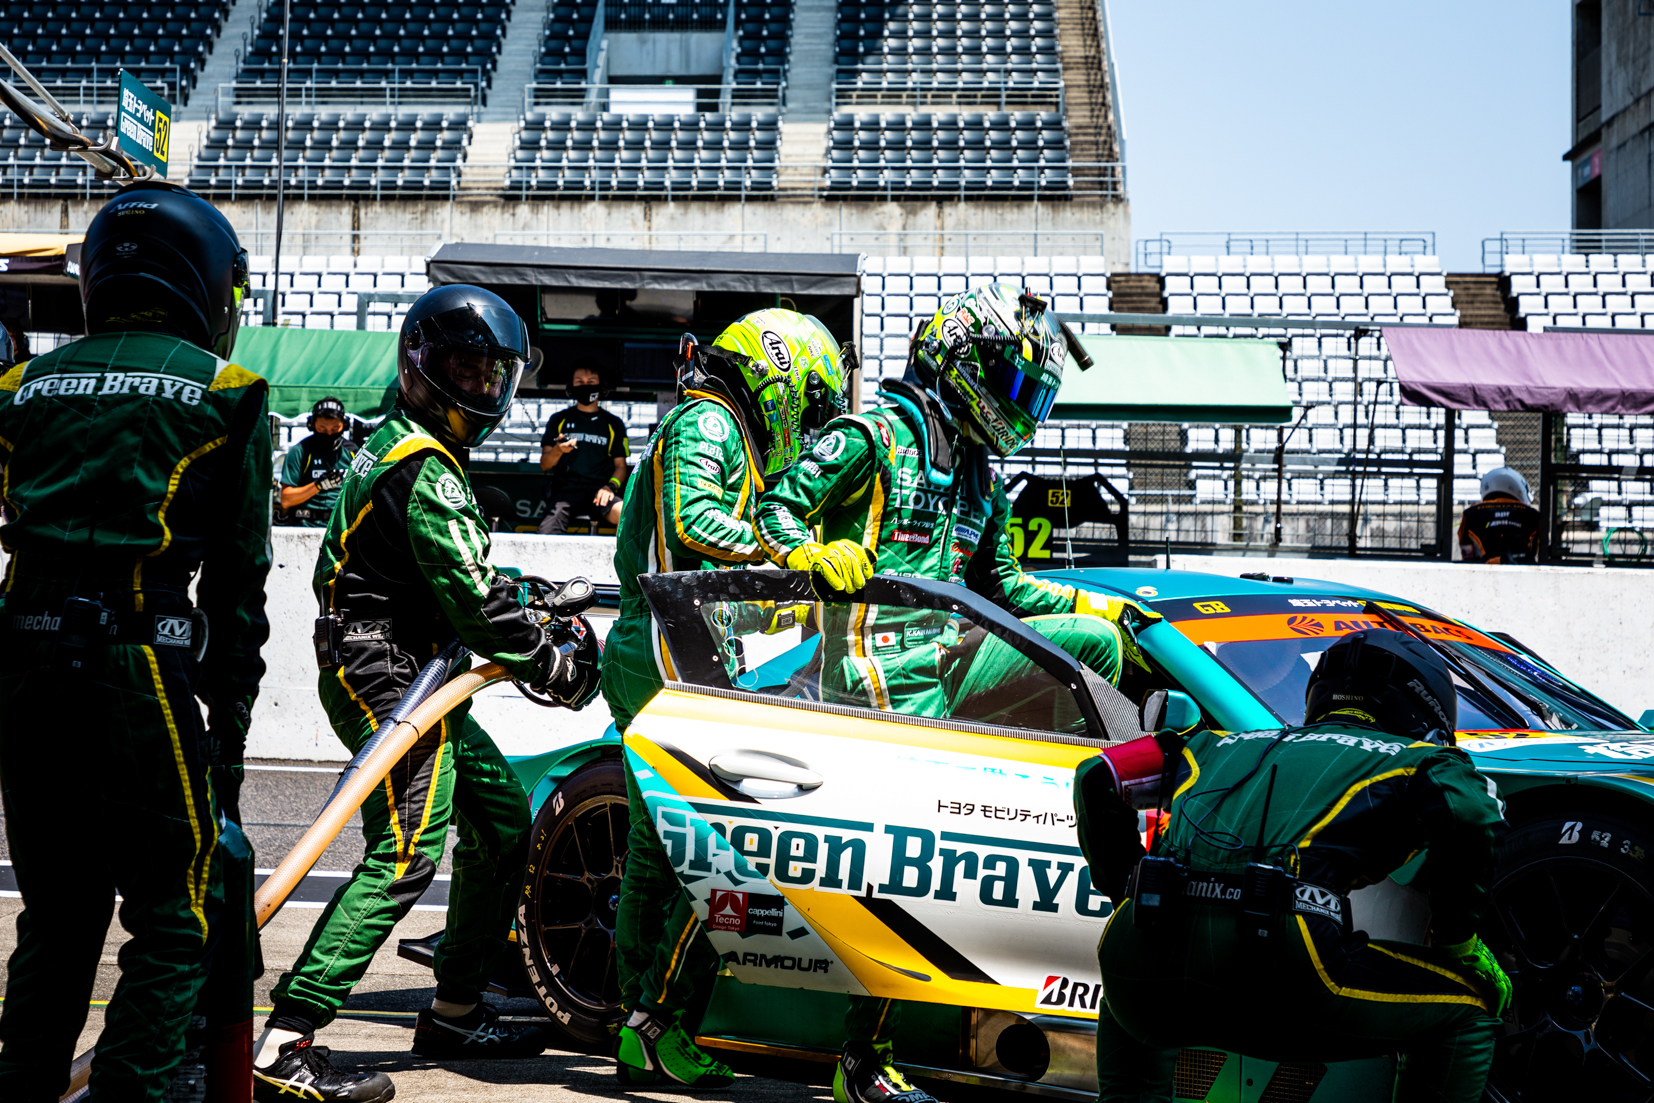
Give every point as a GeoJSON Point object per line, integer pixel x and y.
{"type": "Point", "coordinates": [450, 489]}
{"type": "Point", "coordinates": [1318, 901]}
{"type": "Point", "coordinates": [953, 333]}
{"type": "Point", "coordinates": [172, 632]}
{"type": "Point", "coordinates": [884, 435]}
{"type": "Point", "coordinates": [744, 912]}
{"type": "Point", "coordinates": [714, 426]}
{"type": "Point", "coordinates": [126, 248]}
{"type": "Point", "coordinates": [884, 639]}
{"type": "Point", "coordinates": [1305, 626]}
{"type": "Point", "coordinates": [775, 347]}
{"type": "Point", "coordinates": [831, 446]}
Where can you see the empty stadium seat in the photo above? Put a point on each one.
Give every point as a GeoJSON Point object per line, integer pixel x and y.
{"type": "Point", "coordinates": [166, 43]}
{"type": "Point", "coordinates": [28, 167]}
{"type": "Point", "coordinates": [712, 153]}
{"type": "Point", "coordinates": [924, 153]}
{"type": "Point", "coordinates": [333, 152]}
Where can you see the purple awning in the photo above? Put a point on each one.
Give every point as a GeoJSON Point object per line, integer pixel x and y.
{"type": "Point", "coordinates": [1490, 369]}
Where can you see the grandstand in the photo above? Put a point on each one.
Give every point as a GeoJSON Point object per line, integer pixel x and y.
{"type": "Point", "coordinates": [375, 153]}
{"type": "Point", "coordinates": [593, 153]}
{"type": "Point", "coordinates": [70, 43]}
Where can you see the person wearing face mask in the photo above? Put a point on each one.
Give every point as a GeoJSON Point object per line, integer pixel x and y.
{"type": "Point", "coordinates": [584, 452]}
{"type": "Point", "coordinates": [315, 467]}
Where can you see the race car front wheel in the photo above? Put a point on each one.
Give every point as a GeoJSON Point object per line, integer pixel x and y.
{"type": "Point", "coordinates": [566, 916]}
{"type": "Point", "coordinates": [1571, 918]}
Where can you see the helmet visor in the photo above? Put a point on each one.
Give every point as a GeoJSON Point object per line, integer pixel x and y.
{"type": "Point", "coordinates": [480, 381]}
{"type": "Point", "coordinates": [476, 353]}
{"type": "Point", "coordinates": [1024, 389]}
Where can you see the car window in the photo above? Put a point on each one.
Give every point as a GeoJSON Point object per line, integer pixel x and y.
{"type": "Point", "coordinates": [1271, 643]}
{"type": "Point", "coordinates": [919, 649]}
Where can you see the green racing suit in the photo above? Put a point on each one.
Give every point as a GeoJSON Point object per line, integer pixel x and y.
{"type": "Point", "coordinates": [689, 508]}
{"type": "Point", "coordinates": [405, 566]}
{"type": "Point", "coordinates": [134, 464]}
{"type": "Point", "coordinates": [866, 480]}
{"type": "Point", "coordinates": [1349, 805]}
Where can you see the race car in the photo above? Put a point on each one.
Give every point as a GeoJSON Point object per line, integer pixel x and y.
{"type": "Point", "coordinates": [833, 844]}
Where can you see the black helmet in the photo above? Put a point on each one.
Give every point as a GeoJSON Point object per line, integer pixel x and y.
{"type": "Point", "coordinates": [325, 407]}
{"type": "Point", "coordinates": [460, 359]}
{"type": "Point", "coordinates": [1391, 680]}
{"type": "Point", "coordinates": [159, 257]}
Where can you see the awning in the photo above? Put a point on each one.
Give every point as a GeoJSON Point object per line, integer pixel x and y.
{"type": "Point", "coordinates": [662, 269]}
{"type": "Point", "coordinates": [1490, 369]}
{"type": "Point", "coordinates": [1215, 380]}
{"type": "Point", "coordinates": [304, 365]}
{"type": "Point", "coordinates": [36, 258]}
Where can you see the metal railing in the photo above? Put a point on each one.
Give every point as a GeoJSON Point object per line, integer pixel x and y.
{"type": "Point", "coordinates": [1038, 95]}
{"type": "Point", "coordinates": [642, 15]}
{"type": "Point", "coordinates": [230, 97]}
{"type": "Point", "coordinates": [1031, 242]}
{"type": "Point", "coordinates": [1152, 251]}
{"type": "Point", "coordinates": [703, 97]}
{"type": "Point", "coordinates": [359, 72]}
{"type": "Point", "coordinates": [103, 87]}
{"type": "Point", "coordinates": [1562, 242]}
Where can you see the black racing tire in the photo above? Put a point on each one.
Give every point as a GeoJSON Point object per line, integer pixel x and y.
{"type": "Point", "coordinates": [566, 915]}
{"type": "Point", "coordinates": [1571, 918]}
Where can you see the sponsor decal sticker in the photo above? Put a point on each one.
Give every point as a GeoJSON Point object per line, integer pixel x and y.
{"type": "Point", "coordinates": [1622, 751]}
{"type": "Point", "coordinates": [1318, 901]}
{"type": "Point", "coordinates": [908, 536]}
{"type": "Point", "coordinates": [1305, 626]}
{"type": "Point", "coordinates": [884, 639]}
{"type": "Point", "coordinates": [1210, 607]}
{"type": "Point", "coordinates": [967, 534]}
{"type": "Point", "coordinates": [714, 426]}
{"type": "Point", "coordinates": [102, 384]}
{"type": "Point", "coordinates": [1148, 591]}
{"type": "Point", "coordinates": [780, 961]}
{"type": "Point", "coordinates": [953, 334]}
{"type": "Point", "coordinates": [1061, 991]}
{"type": "Point", "coordinates": [745, 912]}
{"type": "Point", "coordinates": [775, 347]}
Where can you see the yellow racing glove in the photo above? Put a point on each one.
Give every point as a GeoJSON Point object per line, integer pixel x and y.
{"type": "Point", "coordinates": [1474, 956]}
{"type": "Point", "coordinates": [843, 566]}
{"type": "Point", "coordinates": [779, 618]}
{"type": "Point", "coordinates": [1112, 609]}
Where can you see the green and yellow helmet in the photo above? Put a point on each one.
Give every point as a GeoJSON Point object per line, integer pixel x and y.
{"type": "Point", "coordinates": [785, 373]}
{"type": "Point", "coordinates": [996, 355]}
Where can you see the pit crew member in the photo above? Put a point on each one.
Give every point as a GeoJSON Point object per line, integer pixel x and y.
{"type": "Point", "coordinates": [751, 394]}
{"type": "Point", "coordinates": [908, 487]}
{"type": "Point", "coordinates": [314, 467]}
{"type": "Point", "coordinates": [137, 461]}
{"type": "Point", "coordinates": [1503, 527]}
{"type": "Point", "coordinates": [403, 569]}
{"type": "Point", "coordinates": [1237, 932]}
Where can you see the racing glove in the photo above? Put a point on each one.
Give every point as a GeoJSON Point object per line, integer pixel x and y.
{"type": "Point", "coordinates": [1473, 955]}
{"type": "Point", "coordinates": [576, 657]}
{"type": "Point", "coordinates": [330, 481]}
{"type": "Point", "coordinates": [844, 565]}
{"type": "Point", "coordinates": [1113, 609]}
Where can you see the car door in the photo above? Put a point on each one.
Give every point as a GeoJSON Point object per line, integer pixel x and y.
{"type": "Point", "coordinates": [925, 850]}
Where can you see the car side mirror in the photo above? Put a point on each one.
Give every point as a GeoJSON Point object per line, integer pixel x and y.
{"type": "Point", "coordinates": [1646, 720]}
{"type": "Point", "coordinates": [1170, 710]}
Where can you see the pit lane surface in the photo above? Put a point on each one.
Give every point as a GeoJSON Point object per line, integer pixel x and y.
{"type": "Point", "coordinates": [376, 1029]}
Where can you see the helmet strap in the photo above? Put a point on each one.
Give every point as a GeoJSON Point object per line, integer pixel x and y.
{"type": "Point", "coordinates": [927, 417]}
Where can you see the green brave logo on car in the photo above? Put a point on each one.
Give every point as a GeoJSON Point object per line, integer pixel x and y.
{"type": "Point", "coordinates": [848, 856]}
{"type": "Point", "coordinates": [100, 384]}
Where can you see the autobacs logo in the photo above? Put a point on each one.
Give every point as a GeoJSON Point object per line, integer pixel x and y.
{"type": "Point", "coordinates": [1066, 992]}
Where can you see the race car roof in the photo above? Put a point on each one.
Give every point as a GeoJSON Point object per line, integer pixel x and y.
{"type": "Point", "coordinates": [1184, 585]}
{"type": "Point", "coordinates": [660, 269]}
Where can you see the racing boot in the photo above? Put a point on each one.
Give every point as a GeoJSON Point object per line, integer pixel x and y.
{"type": "Point", "coordinates": [302, 1071]}
{"type": "Point", "coordinates": [655, 1050]}
{"type": "Point", "coordinates": [478, 1033]}
{"type": "Point", "coordinates": [866, 1073]}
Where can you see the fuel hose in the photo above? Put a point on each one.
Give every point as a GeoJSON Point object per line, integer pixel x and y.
{"type": "Point", "coordinates": [426, 702]}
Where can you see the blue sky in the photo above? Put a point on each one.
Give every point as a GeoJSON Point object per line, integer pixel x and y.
{"type": "Point", "coordinates": [1266, 115]}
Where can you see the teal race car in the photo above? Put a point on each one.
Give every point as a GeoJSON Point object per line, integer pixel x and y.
{"type": "Point", "coordinates": [832, 847]}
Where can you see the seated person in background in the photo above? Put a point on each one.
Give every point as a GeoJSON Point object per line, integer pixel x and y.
{"type": "Point", "coordinates": [1503, 527]}
{"type": "Point", "coordinates": [584, 450]}
{"type": "Point", "coordinates": [315, 467]}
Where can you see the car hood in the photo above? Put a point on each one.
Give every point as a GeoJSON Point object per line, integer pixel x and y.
{"type": "Point", "coordinates": [1553, 753]}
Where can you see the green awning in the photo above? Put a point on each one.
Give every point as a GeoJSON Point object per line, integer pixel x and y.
{"type": "Point", "coordinates": [1213, 380]}
{"type": "Point", "coordinates": [303, 365]}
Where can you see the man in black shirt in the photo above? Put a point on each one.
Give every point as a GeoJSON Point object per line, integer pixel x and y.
{"type": "Point", "coordinates": [1503, 527]}
{"type": "Point", "coordinates": [584, 450]}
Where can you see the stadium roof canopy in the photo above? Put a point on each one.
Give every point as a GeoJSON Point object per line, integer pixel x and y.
{"type": "Point", "coordinates": [1483, 369]}
{"type": "Point", "coordinates": [660, 269]}
{"type": "Point", "coordinates": [1224, 381]}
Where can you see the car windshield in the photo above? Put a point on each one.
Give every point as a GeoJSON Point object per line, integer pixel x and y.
{"type": "Point", "coordinates": [1271, 643]}
{"type": "Point", "coordinates": [914, 661]}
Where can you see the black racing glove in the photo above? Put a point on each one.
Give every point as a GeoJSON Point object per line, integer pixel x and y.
{"type": "Point", "coordinates": [571, 677]}
{"type": "Point", "coordinates": [227, 726]}
{"type": "Point", "coordinates": [330, 481]}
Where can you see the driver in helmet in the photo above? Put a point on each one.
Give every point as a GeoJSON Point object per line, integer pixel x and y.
{"type": "Point", "coordinates": [1307, 815]}
{"type": "Point", "coordinates": [404, 569]}
{"type": "Point", "coordinates": [1503, 527]}
{"type": "Point", "coordinates": [747, 401]}
{"type": "Point", "coordinates": [907, 488]}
